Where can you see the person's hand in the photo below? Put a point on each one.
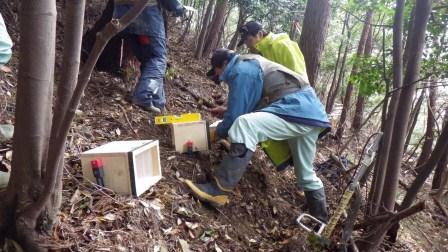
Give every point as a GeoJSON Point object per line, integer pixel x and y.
{"type": "Point", "coordinates": [219, 112]}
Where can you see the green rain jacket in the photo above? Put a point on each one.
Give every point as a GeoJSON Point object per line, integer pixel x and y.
{"type": "Point", "coordinates": [281, 49]}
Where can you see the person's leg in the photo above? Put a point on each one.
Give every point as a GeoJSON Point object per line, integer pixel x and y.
{"type": "Point", "coordinates": [246, 132]}
{"type": "Point", "coordinates": [149, 92]}
{"type": "Point", "coordinates": [303, 150]}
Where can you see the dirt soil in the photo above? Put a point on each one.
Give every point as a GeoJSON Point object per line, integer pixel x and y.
{"type": "Point", "coordinates": [263, 208]}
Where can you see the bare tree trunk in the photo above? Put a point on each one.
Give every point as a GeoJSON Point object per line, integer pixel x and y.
{"type": "Point", "coordinates": [205, 23]}
{"type": "Point", "coordinates": [376, 191]}
{"type": "Point", "coordinates": [440, 150]}
{"type": "Point", "coordinates": [349, 91]}
{"type": "Point", "coordinates": [33, 120]}
{"type": "Point", "coordinates": [331, 91]}
{"type": "Point", "coordinates": [414, 118]}
{"type": "Point", "coordinates": [430, 124]}
{"type": "Point", "coordinates": [441, 169]}
{"type": "Point", "coordinates": [416, 43]}
{"type": "Point", "coordinates": [29, 201]}
{"type": "Point", "coordinates": [359, 111]}
{"type": "Point", "coordinates": [219, 16]}
{"type": "Point", "coordinates": [199, 23]}
{"type": "Point", "coordinates": [242, 17]}
{"type": "Point", "coordinates": [312, 39]}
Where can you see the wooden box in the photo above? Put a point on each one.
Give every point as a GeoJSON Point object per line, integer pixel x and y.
{"type": "Point", "coordinates": [130, 167]}
{"type": "Point", "coordinates": [196, 132]}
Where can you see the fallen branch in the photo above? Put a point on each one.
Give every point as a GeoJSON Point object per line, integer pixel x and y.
{"type": "Point", "coordinates": [392, 217]}
{"type": "Point", "coordinates": [127, 119]}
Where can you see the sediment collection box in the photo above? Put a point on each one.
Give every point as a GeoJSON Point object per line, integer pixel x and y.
{"type": "Point", "coordinates": [129, 167]}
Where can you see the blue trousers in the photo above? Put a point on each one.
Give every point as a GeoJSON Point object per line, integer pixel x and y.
{"type": "Point", "coordinates": [153, 57]}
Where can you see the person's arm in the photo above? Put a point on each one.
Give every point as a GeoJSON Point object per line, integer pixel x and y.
{"type": "Point", "coordinates": [244, 95]}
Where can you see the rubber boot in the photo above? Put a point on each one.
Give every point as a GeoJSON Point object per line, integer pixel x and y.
{"type": "Point", "coordinates": [226, 177]}
{"type": "Point", "coordinates": [316, 204]}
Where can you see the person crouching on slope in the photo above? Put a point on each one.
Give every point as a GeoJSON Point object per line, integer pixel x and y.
{"type": "Point", "coordinates": [266, 101]}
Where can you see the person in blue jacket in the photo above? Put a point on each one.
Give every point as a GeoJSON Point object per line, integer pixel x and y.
{"type": "Point", "coordinates": [147, 39]}
{"type": "Point", "coordinates": [266, 101]}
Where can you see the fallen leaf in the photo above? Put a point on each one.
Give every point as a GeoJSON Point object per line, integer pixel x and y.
{"type": "Point", "coordinates": [75, 196]}
{"type": "Point", "coordinates": [9, 155]}
{"type": "Point", "coordinates": [168, 230]}
{"type": "Point", "coordinates": [217, 248]}
{"type": "Point", "coordinates": [184, 245]}
{"type": "Point", "coordinates": [5, 69]}
{"type": "Point", "coordinates": [191, 225]}
{"type": "Point", "coordinates": [110, 217]}
{"type": "Point", "coordinates": [144, 203]}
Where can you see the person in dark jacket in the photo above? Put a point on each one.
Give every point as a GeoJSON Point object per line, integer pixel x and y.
{"type": "Point", "coordinates": [147, 38]}
{"type": "Point", "coordinates": [266, 101]}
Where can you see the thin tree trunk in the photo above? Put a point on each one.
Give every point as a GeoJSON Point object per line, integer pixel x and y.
{"type": "Point", "coordinates": [241, 20]}
{"type": "Point", "coordinates": [349, 91]}
{"type": "Point", "coordinates": [440, 150]}
{"type": "Point", "coordinates": [414, 118]}
{"type": "Point", "coordinates": [199, 23]}
{"type": "Point", "coordinates": [33, 120]}
{"type": "Point", "coordinates": [312, 39]}
{"type": "Point", "coordinates": [416, 43]}
{"type": "Point", "coordinates": [377, 188]}
{"type": "Point", "coordinates": [442, 166]}
{"type": "Point", "coordinates": [221, 35]}
{"type": "Point", "coordinates": [430, 124]}
{"type": "Point", "coordinates": [330, 96]}
{"type": "Point", "coordinates": [205, 23]}
{"type": "Point", "coordinates": [219, 16]}
{"type": "Point", "coordinates": [359, 111]}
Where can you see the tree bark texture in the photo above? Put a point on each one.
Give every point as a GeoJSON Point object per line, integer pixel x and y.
{"type": "Point", "coordinates": [312, 39]}
{"type": "Point", "coordinates": [33, 121]}
{"type": "Point", "coordinates": [377, 187]}
{"type": "Point", "coordinates": [430, 124]}
{"type": "Point", "coordinates": [219, 17]}
{"type": "Point", "coordinates": [205, 25]}
{"type": "Point", "coordinates": [333, 88]}
{"type": "Point", "coordinates": [416, 43]}
{"type": "Point", "coordinates": [29, 204]}
{"type": "Point", "coordinates": [413, 119]}
{"type": "Point", "coordinates": [440, 150]}
{"type": "Point", "coordinates": [349, 91]}
{"type": "Point", "coordinates": [442, 166]}
{"type": "Point", "coordinates": [359, 111]}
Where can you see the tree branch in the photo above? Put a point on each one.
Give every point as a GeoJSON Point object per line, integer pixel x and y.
{"type": "Point", "coordinates": [392, 217]}
{"type": "Point", "coordinates": [58, 143]}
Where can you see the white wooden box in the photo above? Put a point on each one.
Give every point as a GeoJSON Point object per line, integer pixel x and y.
{"type": "Point", "coordinates": [130, 167]}
{"type": "Point", "coordinates": [197, 132]}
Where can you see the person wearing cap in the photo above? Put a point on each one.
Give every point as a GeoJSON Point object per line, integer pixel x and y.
{"type": "Point", "coordinates": [266, 101]}
{"type": "Point", "coordinates": [275, 47]}
{"type": "Point", "coordinates": [146, 35]}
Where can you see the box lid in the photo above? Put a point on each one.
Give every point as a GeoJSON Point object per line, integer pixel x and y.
{"type": "Point", "coordinates": [119, 147]}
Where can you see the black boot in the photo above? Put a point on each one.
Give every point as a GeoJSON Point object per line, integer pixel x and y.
{"type": "Point", "coordinates": [316, 204]}
{"type": "Point", "coordinates": [226, 177]}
